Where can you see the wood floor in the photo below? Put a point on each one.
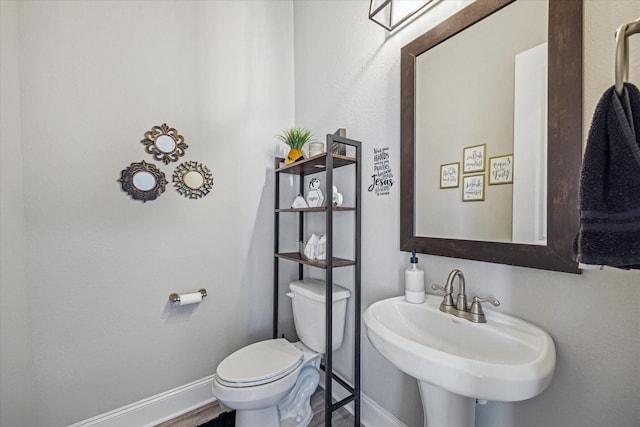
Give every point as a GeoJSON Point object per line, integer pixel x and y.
{"type": "Point", "coordinates": [196, 417]}
{"type": "Point", "coordinates": [340, 418]}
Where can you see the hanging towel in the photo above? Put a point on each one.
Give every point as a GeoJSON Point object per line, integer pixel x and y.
{"type": "Point", "coordinates": [609, 232]}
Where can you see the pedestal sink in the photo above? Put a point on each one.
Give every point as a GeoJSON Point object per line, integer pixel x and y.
{"type": "Point", "coordinates": [456, 361]}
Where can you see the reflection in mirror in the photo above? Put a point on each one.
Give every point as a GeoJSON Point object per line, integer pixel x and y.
{"type": "Point", "coordinates": [165, 144]}
{"type": "Point", "coordinates": [465, 98]}
{"type": "Point", "coordinates": [427, 104]}
{"type": "Point", "coordinates": [193, 180]}
{"type": "Point", "coordinates": [143, 181]}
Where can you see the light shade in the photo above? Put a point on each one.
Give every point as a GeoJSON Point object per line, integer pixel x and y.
{"type": "Point", "coordinates": [390, 14]}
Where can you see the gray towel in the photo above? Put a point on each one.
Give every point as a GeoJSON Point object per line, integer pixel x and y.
{"type": "Point", "coordinates": [609, 231]}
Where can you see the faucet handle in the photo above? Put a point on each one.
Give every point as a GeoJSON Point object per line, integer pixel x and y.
{"type": "Point", "coordinates": [437, 287]}
{"type": "Point", "coordinates": [476, 308]}
{"type": "Point", "coordinates": [448, 299]}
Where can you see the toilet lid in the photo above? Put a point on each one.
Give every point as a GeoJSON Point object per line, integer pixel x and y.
{"type": "Point", "coordinates": [259, 363]}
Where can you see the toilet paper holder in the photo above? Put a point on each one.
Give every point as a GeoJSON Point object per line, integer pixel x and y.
{"type": "Point", "coordinates": [175, 297]}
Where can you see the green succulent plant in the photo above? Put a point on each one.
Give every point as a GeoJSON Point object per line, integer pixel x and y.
{"type": "Point", "coordinates": [295, 137]}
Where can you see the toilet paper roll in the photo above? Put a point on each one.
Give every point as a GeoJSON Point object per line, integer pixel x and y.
{"type": "Point", "coordinates": [187, 299]}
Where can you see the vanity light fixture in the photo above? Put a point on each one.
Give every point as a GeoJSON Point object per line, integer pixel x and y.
{"type": "Point", "coordinates": [390, 14]}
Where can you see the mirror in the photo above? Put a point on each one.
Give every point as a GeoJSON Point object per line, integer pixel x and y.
{"type": "Point", "coordinates": [193, 180]}
{"type": "Point", "coordinates": [165, 144]}
{"type": "Point", "coordinates": [479, 77]}
{"type": "Point", "coordinates": [563, 148]}
{"type": "Point", "coordinates": [143, 181]}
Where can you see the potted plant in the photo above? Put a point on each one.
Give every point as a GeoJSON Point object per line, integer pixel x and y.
{"type": "Point", "coordinates": [295, 138]}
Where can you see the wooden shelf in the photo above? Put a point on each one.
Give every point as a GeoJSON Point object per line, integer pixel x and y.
{"type": "Point", "coordinates": [320, 209]}
{"type": "Point", "coordinates": [315, 164]}
{"type": "Point", "coordinates": [296, 257]}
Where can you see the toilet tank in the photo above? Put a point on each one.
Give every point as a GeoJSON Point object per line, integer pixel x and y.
{"type": "Point", "coordinates": [308, 300]}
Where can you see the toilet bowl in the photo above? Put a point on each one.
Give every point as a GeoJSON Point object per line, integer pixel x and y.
{"type": "Point", "coordinates": [269, 383]}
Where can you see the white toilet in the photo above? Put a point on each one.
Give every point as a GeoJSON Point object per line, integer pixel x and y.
{"type": "Point", "coordinates": [269, 383]}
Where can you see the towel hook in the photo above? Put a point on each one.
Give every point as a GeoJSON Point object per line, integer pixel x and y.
{"type": "Point", "coordinates": [622, 52]}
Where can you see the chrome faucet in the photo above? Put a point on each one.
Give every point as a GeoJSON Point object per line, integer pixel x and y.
{"type": "Point", "coordinates": [474, 313]}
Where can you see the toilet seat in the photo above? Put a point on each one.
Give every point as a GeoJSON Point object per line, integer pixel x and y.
{"type": "Point", "coordinates": [259, 363]}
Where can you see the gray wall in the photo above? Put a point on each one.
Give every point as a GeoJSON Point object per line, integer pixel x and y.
{"type": "Point", "coordinates": [100, 266]}
{"type": "Point", "coordinates": [16, 393]}
{"type": "Point", "coordinates": [348, 75]}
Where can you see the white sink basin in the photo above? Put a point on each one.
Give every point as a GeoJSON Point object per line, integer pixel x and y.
{"type": "Point", "coordinates": [505, 359]}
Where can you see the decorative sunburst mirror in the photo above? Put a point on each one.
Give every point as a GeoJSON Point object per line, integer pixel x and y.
{"type": "Point", "coordinates": [165, 144]}
{"type": "Point", "coordinates": [143, 181]}
{"type": "Point", "coordinates": [192, 179]}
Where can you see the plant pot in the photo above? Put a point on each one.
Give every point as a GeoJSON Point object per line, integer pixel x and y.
{"type": "Point", "coordinates": [293, 156]}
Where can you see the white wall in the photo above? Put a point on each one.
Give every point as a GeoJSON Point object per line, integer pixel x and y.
{"type": "Point", "coordinates": [16, 394]}
{"type": "Point", "coordinates": [100, 266]}
{"type": "Point", "coordinates": [348, 75]}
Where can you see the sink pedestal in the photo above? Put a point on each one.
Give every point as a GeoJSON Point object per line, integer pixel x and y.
{"type": "Point", "coordinates": [446, 409]}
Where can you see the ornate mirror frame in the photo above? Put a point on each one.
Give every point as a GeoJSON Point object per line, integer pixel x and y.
{"type": "Point", "coordinates": [189, 191]}
{"type": "Point", "coordinates": [564, 142]}
{"type": "Point", "coordinates": [152, 147]}
{"type": "Point", "coordinates": [127, 177]}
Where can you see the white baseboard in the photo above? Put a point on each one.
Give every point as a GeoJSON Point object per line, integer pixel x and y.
{"type": "Point", "coordinates": [371, 414]}
{"type": "Point", "coordinates": [173, 403]}
{"type": "Point", "coordinates": [156, 409]}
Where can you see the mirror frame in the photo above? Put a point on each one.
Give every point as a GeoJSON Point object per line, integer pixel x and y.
{"type": "Point", "coordinates": [181, 186]}
{"type": "Point", "coordinates": [564, 136]}
{"type": "Point", "coordinates": [126, 181]}
{"type": "Point", "coordinates": [152, 135]}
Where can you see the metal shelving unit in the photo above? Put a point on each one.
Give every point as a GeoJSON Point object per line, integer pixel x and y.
{"type": "Point", "coordinates": [325, 163]}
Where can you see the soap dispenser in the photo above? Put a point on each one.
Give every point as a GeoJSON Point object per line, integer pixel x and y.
{"type": "Point", "coordinates": [414, 281]}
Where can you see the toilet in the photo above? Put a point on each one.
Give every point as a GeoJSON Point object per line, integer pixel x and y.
{"type": "Point", "coordinates": [269, 383]}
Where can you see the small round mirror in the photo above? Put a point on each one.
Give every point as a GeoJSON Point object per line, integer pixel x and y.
{"type": "Point", "coordinates": [165, 143]}
{"type": "Point", "coordinates": [144, 181]}
{"type": "Point", "coordinates": [193, 180]}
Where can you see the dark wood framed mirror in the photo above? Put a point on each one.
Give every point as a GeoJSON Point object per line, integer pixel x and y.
{"type": "Point", "coordinates": [564, 142]}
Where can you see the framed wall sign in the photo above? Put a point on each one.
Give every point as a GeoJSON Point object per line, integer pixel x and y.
{"type": "Point", "coordinates": [501, 169]}
{"type": "Point", "coordinates": [449, 175]}
{"type": "Point", "coordinates": [473, 158]}
{"type": "Point", "coordinates": [473, 188]}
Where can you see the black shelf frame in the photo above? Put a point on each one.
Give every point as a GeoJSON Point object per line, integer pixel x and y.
{"type": "Point", "coordinates": [326, 162]}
